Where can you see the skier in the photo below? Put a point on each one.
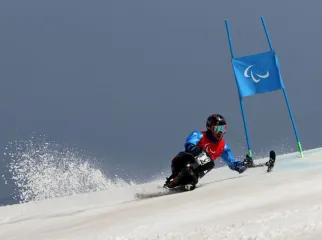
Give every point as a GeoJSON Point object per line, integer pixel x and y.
{"type": "Point", "coordinates": [211, 141]}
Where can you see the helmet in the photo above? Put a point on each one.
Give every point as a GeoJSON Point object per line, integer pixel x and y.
{"type": "Point", "coordinates": [216, 124]}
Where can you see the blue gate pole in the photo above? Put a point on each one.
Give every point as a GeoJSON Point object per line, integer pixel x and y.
{"type": "Point", "coordinates": [240, 98]}
{"type": "Point", "coordinates": [285, 95]}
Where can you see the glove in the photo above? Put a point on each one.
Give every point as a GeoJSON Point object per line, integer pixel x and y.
{"type": "Point", "coordinates": [195, 150]}
{"type": "Point", "coordinates": [239, 167]}
{"type": "Point", "coordinates": [248, 161]}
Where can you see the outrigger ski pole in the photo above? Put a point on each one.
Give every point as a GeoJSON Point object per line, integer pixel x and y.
{"type": "Point", "coordinates": [270, 164]}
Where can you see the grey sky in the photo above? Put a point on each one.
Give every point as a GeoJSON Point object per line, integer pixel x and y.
{"type": "Point", "coordinates": [129, 80]}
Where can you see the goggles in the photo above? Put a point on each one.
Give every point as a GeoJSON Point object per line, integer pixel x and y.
{"type": "Point", "coordinates": [221, 128]}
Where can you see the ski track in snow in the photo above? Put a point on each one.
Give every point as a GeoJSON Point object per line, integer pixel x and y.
{"type": "Point", "coordinates": [284, 204]}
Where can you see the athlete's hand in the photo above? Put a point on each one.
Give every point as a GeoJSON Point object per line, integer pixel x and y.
{"type": "Point", "coordinates": [195, 150]}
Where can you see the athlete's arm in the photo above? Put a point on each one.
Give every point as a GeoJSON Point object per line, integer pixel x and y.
{"type": "Point", "coordinates": [229, 158]}
{"type": "Point", "coordinates": [192, 140]}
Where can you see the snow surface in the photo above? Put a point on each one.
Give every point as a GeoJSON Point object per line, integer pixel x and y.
{"type": "Point", "coordinates": [283, 204]}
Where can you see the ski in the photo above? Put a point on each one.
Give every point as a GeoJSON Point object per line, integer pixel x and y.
{"type": "Point", "coordinates": [270, 163]}
{"type": "Point", "coordinates": [184, 187]}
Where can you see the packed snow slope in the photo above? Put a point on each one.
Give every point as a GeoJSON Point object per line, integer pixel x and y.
{"type": "Point", "coordinates": [283, 204]}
